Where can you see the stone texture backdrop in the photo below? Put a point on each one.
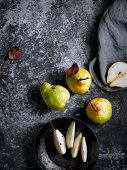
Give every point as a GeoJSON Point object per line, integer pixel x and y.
{"type": "Point", "coordinates": [52, 34]}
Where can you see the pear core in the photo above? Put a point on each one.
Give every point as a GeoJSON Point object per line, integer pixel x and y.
{"type": "Point", "coordinates": [102, 112]}
{"type": "Point", "coordinates": [80, 82]}
{"type": "Point", "coordinates": [117, 75]}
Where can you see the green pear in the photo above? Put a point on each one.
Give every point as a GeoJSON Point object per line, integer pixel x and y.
{"type": "Point", "coordinates": [70, 135]}
{"type": "Point", "coordinates": [59, 141]}
{"type": "Point", "coordinates": [76, 146]}
{"type": "Point", "coordinates": [117, 75]}
{"type": "Point", "coordinates": [84, 149]}
{"type": "Point", "coordinates": [55, 96]}
{"type": "Point", "coordinates": [99, 110]}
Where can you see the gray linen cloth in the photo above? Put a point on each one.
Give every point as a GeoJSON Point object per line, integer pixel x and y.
{"type": "Point", "coordinates": [112, 43]}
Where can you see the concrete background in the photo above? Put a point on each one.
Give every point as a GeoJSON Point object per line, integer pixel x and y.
{"type": "Point", "coordinates": [52, 34]}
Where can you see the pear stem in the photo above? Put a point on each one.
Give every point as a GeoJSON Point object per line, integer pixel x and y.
{"type": "Point", "coordinates": [52, 125]}
{"type": "Point", "coordinates": [39, 81]}
{"type": "Point", "coordinates": [104, 86]}
{"type": "Point", "coordinates": [84, 78]}
{"type": "Point", "coordinates": [96, 110]}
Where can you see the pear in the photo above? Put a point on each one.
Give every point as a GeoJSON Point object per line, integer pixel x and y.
{"type": "Point", "coordinates": [99, 110]}
{"type": "Point", "coordinates": [76, 146]}
{"type": "Point", "coordinates": [55, 96]}
{"type": "Point", "coordinates": [78, 79]}
{"type": "Point", "coordinates": [117, 75]}
{"type": "Point", "coordinates": [70, 135]}
{"type": "Point", "coordinates": [59, 141]}
{"type": "Point", "coordinates": [84, 149]}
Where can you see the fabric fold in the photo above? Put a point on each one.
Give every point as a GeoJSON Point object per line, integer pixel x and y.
{"type": "Point", "coordinates": [112, 43]}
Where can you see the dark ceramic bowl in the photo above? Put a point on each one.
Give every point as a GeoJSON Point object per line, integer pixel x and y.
{"type": "Point", "coordinates": [47, 155]}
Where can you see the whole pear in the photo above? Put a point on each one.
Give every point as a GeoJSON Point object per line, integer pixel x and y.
{"type": "Point", "coordinates": [55, 96]}
{"type": "Point", "coordinates": [78, 79]}
{"type": "Point", "coordinates": [99, 110]}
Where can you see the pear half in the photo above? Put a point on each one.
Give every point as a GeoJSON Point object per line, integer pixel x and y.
{"type": "Point", "coordinates": [117, 75]}
{"type": "Point", "coordinates": [70, 135]}
{"type": "Point", "coordinates": [59, 141]}
{"type": "Point", "coordinates": [76, 146]}
{"type": "Point", "coordinates": [84, 149]}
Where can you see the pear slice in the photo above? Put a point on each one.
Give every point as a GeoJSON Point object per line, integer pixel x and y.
{"type": "Point", "coordinates": [76, 146]}
{"type": "Point", "coordinates": [59, 141]}
{"type": "Point", "coordinates": [84, 149]}
{"type": "Point", "coordinates": [70, 135]}
{"type": "Point", "coordinates": [117, 75]}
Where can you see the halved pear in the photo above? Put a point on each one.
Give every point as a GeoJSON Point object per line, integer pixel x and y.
{"type": "Point", "coordinates": [59, 141]}
{"type": "Point", "coordinates": [84, 149]}
{"type": "Point", "coordinates": [117, 75]}
{"type": "Point", "coordinates": [76, 146]}
{"type": "Point", "coordinates": [70, 135]}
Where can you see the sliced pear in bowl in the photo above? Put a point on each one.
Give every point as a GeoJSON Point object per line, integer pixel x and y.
{"type": "Point", "coordinates": [76, 146]}
{"type": "Point", "coordinates": [117, 75]}
{"type": "Point", "coordinates": [59, 141]}
{"type": "Point", "coordinates": [84, 149]}
{"type": "Point", "coordinates": [70, 134]}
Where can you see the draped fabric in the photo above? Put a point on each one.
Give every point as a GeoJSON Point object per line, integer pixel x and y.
{"type": "Point", "coordinates": [112, 43]}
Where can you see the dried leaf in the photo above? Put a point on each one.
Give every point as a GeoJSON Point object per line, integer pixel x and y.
{"type": "Point", "coordinates": [72, 70]}
{"type": "Point", "coordinates": [14, 53]}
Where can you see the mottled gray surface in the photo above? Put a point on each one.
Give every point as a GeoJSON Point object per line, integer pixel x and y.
{"type": "Point", "coordinates": [52, 34]}
{"type": "Point", "coordinates": [112, 40]}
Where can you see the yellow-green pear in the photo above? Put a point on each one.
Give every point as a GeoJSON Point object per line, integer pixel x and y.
{"type": "Point", "coordinates": [76, 146]}
{"type": "Point", "coordinates": [55, 96]}
{"type": "Point", "coordinates": [78, 79]}
{"type": "Point", "coordinates": [70, 135]}
{"type": "Point", "coordinates": [84, 149]}
{"type": "Point", "coordinates": [99, 110]}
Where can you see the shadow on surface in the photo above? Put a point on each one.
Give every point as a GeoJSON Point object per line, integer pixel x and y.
{"type": "Point", "coordinates": [36, 101]}
{"type": "Point", "coordinates": [80, 113]}
{"type": "Point", "coordinates": [59, 78]}
{"type": "Point", "coordinates": [29, 147]}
